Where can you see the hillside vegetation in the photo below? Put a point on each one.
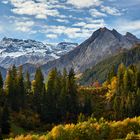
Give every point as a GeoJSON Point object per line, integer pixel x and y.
{"type": "Point", "coordinates": [35, 107]}
{"type": "Point", "coordinates": [101, 70]}
{"type": "Point", "coordinates": [92, 129]}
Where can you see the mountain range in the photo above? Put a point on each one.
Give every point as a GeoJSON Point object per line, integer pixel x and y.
{"type": "Point", "coordinates": [20, 52]}
{"type": "Point", "coordinates": [102, 44]}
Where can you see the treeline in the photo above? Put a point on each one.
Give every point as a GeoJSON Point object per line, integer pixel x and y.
{"type": "Point", "coordinates": [124, 92]}
{"type": "Point", "coordinates": [52, 101]}
{"type": "Point", "coordinates": [34, 104]}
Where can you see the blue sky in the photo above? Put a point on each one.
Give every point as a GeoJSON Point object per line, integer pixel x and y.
{"type": "Point", "coordinates": [53, 21]}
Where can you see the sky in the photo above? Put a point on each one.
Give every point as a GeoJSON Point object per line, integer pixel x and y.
{"type": "Point", "coordinates": [54, 21]}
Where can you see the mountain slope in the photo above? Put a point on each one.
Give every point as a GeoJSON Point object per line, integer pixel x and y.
{"type": "Point", "coordinates": [100, 71]}
{"type": "Point", "coordinates": [102, 44]}
{"type": "Point", "coordinates": [20, 52]}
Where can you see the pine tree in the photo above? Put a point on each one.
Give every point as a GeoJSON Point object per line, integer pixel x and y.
{"type": "Point", "coordinates": [137, 103]}
{"type": "Point", "coordinates": [50, 83]}
{"type": "Point", "coordinates": [11, 89]}
{"type": "Point", "coordinates": [130, 103]}
{"type": "Point", "coordinates": [72, 94]}
{"type": "Point", "coordinates": [14, 94]}
{"type": "Point", "coordinates": [87, 106]}
{"type": "Point", "coordinates": [63, 98]}
{"type": "Point", "coordinates": [132, 77]}
{"type": "Point", "coordinates": [39, 80]}
{"type": "Point", "coordinates": [126, 81]}
{"type": "Point", "coordinates": [5, 126]}
{"type": "Point", "coordinates": [9, 83]}
{"type": "Point", "coordinates": [20, 88]}
{"type": "Point", "coordinates": [38, 90]}
{"type": "Point", "coordinates": [51, 100]}
{"type": "Point", "coordinates": [111, 73]}
{"type": "Point", "coordinates": [44, 107]}
{"type": "Point", "coordinates": [27, 83]}
{"type": "Point", "coordinates": [133, 68]}
{"type": "Point", "coordinates": [116, 106]}
{"type": "Point", "coordinates": [137, 80]}
{"type": "Point", "coordinates": [120, 74]}
{"type": "Point", "coordinates": [14, 72]}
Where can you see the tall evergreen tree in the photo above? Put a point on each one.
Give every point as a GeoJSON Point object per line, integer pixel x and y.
{"type": "Point", "coordinates": [116, 106]}
{"type": "Point", "coordinates": [11, 88]}
{"type": "Point", "coordinates": [126, 81]}
{"type": "Point", "coordinates": [50, 83]}
{"type": "Point", "coordinates": [20, 88]}
{"type": "Point", "coordinates": [137, 79]}
{"type": "Point", "coordinates": [5, 126]}
{"type": "Point", "coordinates": [27, 83]}
{"type": "Point", "coordinates": [87, 110]}
{"type": "Point", "coordinates": [137, 103]}
{"type": "Point", "coordinates": [15, 95]}
{"type": "Point", "coordinates": [72, 93]}
{"type": "Point", "coordinates": [39, 80]}
{"type": "Point", "coordinates": [38, 90]}
{"type": "Point", "coordinates": [9, 83]}
{"type": "Point", "coordinates": [111, 73]}
{"type": "Point", "coordinates": [120, 74]}
{"type": "Point", "coordinates": [63, 98]}
{"type": "Point", "coordinates": [51, 96]}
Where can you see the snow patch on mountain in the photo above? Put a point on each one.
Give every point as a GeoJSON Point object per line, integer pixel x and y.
{"type": "Point", "coordinates": [19, 52]}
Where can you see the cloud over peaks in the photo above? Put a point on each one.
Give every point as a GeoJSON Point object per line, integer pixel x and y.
{"type": "Point", "coordinates": [84, 3]}
{"type": "Point", "coordinates": [29, 7]}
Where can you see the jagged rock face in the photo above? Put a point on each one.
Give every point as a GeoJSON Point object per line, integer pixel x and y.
{"type": "Point", "coordinates": [19, 52]}
{"type": "Point", "coordinates": [102, 44]}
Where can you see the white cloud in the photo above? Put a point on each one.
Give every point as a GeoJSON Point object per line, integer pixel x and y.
{"type": "Point", "coordinates": [91, 24]}
{"type": "Point", "coordinates": [79, 24]}
{"type": "Point", "coordinates": [61, 30]}
{"type": "Point", "coordinates": [70, 32]}
{"type": "Point", "coordinates": [84, 3]}
{"type": "Point", "coordinates": [93, 21]}
{"type": "Point", "coordinates": [5, 2]}
{"type": "Point", "coordinates": [24, 26]}
{"type": "Point", "coordinates": [126, 25]}
{"type": "Point", "coordinates": [1, 28]}
{"type": "Point", "coordinates": [94, 26]}
{"type": "Point", "coordinates": [62, 20]}
{"type": "Point", "coordinates": [110, 10]}
{"type": "Point", "coordinates": [96, 13]}
{"type": "Point", "coordinates": [29, 7]}
{"type": "Point", "coordinates": [52, 36]}
{"type": "Point", "coordinates": [80, 30]}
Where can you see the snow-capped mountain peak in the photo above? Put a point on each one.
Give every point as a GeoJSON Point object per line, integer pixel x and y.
{"type": "Point", "coordinates": [19, 52]}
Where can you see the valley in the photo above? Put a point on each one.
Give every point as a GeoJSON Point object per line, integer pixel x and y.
{"type": "Point", "coordinates": [53, 102]}
{"type": "Point", "coordinates": [69, 70]}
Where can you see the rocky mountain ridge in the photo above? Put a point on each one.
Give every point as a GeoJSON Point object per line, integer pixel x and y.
{"type": "Point", "coordinates": [103, 43]}
{"type": "Point", "coordinates": [20, 52]}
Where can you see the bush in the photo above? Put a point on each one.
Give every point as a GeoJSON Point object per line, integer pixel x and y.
{"type": "Point", "coordinates": [132, 136]}
{"type": "Point", "coordinates": [92, 130]}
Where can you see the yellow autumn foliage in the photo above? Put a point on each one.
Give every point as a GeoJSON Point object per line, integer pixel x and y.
{"type": "Point", "coordinates": [89, 130]}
